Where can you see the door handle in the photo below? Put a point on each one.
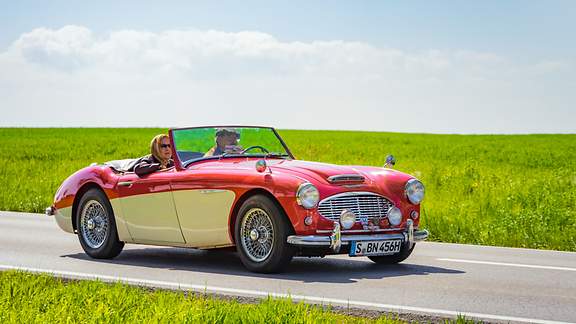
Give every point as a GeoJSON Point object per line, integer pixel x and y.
{"type": "Point", "coordinates": [125, 184]}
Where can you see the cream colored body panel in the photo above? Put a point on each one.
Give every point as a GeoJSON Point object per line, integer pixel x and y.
{"type": "Point", "coordinates": [203, 216]}
{"type": "Point", "coordinates": [151, 217]}
{"type": "Point", "coordinates": [121, 224]}
{"type": "Point", "coordinates": [63, 218]}
{"type": "Point", "coordinates": [183, 245]}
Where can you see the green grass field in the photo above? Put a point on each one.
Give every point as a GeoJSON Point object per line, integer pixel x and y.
{"type": "Point", "coordinates": [27, 298]}
{"type": "Point", "coordinates": [504, 190]}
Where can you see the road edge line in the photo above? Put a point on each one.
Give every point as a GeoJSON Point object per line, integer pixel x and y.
{"type": "Point", "coordinates": [256, 293]}
{"type": "Point", "coordinates": [517, 265]}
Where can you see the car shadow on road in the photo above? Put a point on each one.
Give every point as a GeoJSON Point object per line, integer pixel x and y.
{"type": "Point", "coordinates": [329, 269]}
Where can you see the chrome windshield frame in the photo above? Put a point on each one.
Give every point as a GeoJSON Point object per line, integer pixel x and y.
{"type": "Point", "coordinates": [181, 165]}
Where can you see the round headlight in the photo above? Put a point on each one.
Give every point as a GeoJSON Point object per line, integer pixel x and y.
{"type": "Point", "coordinates": [414, 191]}
{"type": "Point", "coordinates": [307, 195]}
{"type": "Point", "coordinates": [347, 219]}
{"type": "Point", "coordinates": [395, 216]}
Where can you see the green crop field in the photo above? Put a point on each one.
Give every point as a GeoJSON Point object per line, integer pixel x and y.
{"type": "Point", "coordinates": [506, 190]}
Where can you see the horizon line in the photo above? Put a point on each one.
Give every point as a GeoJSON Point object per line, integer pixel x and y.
{"type": "Point", "coordinates": [288, 129]}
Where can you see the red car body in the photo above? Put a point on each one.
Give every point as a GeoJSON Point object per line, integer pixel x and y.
{"type": "Point", "coordinates": [279, 182]}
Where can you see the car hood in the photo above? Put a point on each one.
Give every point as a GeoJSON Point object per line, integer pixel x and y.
{"type": "Point", "coordinates": [375, 179]}
{"type": "Point", "coordinates": [318, 171]}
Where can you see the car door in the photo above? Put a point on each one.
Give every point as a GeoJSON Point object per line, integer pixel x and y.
{"type": "Point", "coordinates": [148, 208]}
{"type": "Point", "coordinates": [203, 203]}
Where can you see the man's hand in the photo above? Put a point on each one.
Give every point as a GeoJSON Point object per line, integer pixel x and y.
{"type": "Point", "coordinates": [230, 149]}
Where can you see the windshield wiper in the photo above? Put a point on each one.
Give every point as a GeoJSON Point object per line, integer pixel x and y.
{"type": "Point", "coordinates": [276, 155]}
{"type": "Point", "coordinates": [270, 154]}
{"type": "Point", "coordinates": [231, 154]}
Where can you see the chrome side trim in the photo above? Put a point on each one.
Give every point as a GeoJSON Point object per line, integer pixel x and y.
{"type": "Point", "coordinates": [125, 184]}
{"type": "Point", "coordinates": [209, 191]}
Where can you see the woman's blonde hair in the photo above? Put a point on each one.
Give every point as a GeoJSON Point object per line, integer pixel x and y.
{"type": "Point", "coordinates": [155, 147]}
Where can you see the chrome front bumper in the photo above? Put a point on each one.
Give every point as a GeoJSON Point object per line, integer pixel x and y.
{"type": "Point", "coordinates": [336, 240]}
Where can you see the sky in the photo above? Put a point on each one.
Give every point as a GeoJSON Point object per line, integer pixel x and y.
{"type": "Point", "coordinates": [403, 66]}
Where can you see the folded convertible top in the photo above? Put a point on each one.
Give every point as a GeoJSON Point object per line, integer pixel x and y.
{"type": "Point", "coordinates": [126, 165]}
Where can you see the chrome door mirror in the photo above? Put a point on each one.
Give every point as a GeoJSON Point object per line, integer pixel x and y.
{"type": "Point", "coordinates": [390, 161]}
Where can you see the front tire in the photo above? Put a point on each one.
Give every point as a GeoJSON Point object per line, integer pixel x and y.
{"type": "Point", "coordinates": [261, 231]}
{"type": "Point", "coordinates": [404, 253]}
{"type": "Point", "coordinates": [96, 226]}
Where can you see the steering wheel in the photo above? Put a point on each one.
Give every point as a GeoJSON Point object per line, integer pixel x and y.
{"type": "Point", "coordinates": [255, 147]}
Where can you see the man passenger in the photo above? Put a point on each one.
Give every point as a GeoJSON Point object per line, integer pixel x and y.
{"type": "Point", "coordinates": [226, 141]}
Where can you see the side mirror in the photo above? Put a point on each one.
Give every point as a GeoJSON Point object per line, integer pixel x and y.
{"type": "Point", "coordinates": [390, 161]}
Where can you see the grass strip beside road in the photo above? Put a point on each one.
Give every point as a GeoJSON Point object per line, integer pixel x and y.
{"type": "Point", "coordinates": [31, 298]}
{"type": "Point", "coordinates": [503, 190]}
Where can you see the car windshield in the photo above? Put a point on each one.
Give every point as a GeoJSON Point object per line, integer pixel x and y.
{"type": "Point", "coordinates": [194, 144]}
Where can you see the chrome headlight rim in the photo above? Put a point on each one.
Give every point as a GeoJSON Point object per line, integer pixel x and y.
{"type": "Point", "coordinates": [307, 195]}
{"type": "Point", "coordinates": [414, 194]}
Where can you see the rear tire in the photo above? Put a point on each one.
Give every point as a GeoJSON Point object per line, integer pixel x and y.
{"type": "Point", "coordinates": [261, 231]}
{"type": "Point", "coordinates": [404, 253]}
{"type": "Point", "coordinates": [96, 226]}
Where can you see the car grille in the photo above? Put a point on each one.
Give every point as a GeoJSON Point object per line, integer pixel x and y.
{"type": "Point", "coordinates": [363, 205]}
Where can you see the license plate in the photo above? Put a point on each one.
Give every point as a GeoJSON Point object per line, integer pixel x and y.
{"type": "Point", "coordinates": [366, 248]}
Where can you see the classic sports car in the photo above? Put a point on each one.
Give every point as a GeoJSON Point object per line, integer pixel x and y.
{"type": "Point", "coordinates": [256, 197]}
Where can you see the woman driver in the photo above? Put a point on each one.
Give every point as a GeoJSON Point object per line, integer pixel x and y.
{"type": "Point", "coordinates": [160, 156]}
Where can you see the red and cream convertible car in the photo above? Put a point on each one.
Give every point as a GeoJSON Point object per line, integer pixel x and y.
{"type": "Point", "coordinates": [252, 194]}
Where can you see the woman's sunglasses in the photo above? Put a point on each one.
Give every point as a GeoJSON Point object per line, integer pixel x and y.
{"type": "Point", "coordinates": [165, 145]}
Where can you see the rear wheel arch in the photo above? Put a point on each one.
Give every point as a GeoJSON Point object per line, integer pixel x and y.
{"type": "Point", "coordinates": [85, 187]}
{"type": "Point", "coordinates": [245, 196]}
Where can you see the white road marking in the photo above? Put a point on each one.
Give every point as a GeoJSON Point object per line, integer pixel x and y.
{"type": "Point", "coordinates": [256, 293]}
{"type": "Point", "coordinates": [509, 264]}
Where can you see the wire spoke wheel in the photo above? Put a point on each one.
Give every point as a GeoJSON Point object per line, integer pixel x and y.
{"type": "Point", "coordinates": [257, 234]}
{"type": "Point", "coordinates": [260, 233]}
{"type": "Point", "coordinates": [94, 224]}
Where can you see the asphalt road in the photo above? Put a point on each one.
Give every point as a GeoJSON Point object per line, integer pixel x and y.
{"type": "Point", "coordinates": [495, 284]}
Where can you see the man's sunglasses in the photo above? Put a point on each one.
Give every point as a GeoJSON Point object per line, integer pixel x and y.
{"type": "Point", "coordinates": [165, 145]}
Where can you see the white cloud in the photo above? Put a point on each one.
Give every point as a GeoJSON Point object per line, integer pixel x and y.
{"type": "Point", "coordinates": [188, 52]}
{"type": "Point", "coordinates": [208, 77]}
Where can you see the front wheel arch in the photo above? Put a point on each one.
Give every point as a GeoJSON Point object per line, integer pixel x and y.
{"type": "Point", "coordinates": [85, 187]}
{"type": "Point", "coordinates": [248, 194]}
{"type": "Point", "coordinates": [267, 235]}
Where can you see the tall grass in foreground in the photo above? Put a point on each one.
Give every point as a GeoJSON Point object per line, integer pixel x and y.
{"type": "Point", "coordinates": [506, 190]}
{"type": "Point", "coordinates": [27, 298]}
